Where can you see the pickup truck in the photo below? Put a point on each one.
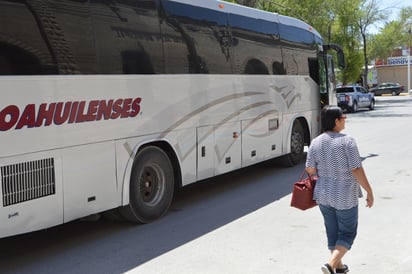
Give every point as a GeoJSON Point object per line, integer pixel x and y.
{"type": "Point", "coordinates": [352, 97]}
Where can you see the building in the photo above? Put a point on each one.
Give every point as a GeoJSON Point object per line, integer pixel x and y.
{"type": "Point", "coordinates": [394, 69]}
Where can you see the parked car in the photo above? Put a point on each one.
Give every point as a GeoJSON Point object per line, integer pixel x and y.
{"type": "Point", "coordinates": [352, 97]}
{"type": "Point", "coordinates": [387, 88]}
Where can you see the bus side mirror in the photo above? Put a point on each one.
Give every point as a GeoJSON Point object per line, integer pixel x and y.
{"type": "Point", "coordinates": [341, 59]}
{"type": "Point", "coordinates": [339, 53]}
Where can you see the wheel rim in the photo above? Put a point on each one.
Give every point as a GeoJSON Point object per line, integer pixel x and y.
{"type": "Point", "coordinates": [152, 181]}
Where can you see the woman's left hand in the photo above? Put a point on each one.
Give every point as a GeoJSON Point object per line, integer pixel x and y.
{"type": "Point", "coordinates": [369, 200]}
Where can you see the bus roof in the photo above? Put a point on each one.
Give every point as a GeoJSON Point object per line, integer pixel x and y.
{"type": "Point", "coordinates": [253, 13]}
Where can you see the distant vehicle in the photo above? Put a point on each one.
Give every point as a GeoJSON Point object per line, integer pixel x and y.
{"type": "Point", "coordinates": [387, 88]}
{"type": "Point", "coordinates": [352, 97]}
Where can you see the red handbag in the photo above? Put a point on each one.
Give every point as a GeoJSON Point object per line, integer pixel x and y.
{"type": "Point", "coordinates": [302, 194]}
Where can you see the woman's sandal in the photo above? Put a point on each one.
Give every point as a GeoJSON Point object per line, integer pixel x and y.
{"type": "Point", "coordinates": [345, 269]}
{"type": "Point", "coordinates": [327, 269]}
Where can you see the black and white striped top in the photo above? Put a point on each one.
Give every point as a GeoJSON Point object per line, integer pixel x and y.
{"type": "Point", "coordinates": [334, 155]}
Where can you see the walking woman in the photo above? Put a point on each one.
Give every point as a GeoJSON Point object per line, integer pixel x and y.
{"type": "Point", "coordinates": [335, 158]}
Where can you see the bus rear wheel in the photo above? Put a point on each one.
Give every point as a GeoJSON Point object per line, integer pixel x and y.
{"type": "Point", "coordinates": [151, 186]}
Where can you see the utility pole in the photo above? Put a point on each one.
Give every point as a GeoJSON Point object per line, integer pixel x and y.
{"type": "Point", "coordinates": [409, 61]}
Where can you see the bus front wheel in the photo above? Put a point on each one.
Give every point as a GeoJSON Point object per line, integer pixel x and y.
{"type": "Point", "coordinates": [297, 144]}
{"type": "Point", "coordinates": [151, 186]}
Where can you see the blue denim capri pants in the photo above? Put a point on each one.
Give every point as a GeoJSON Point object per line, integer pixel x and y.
{"type": "Point", "coordinates": [341, 226]}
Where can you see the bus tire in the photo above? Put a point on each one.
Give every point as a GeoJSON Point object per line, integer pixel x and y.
{"type": "Point", "coordinates": [151, 186]}
{"type": "Point", "coordinates": [297, 144]}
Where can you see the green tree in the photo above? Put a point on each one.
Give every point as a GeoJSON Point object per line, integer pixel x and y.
{"type": "Point", "coordinates": [394, 34]}
{"type": "Point", "coordinates": [406, 21]}
{"type": "Point", "coordinates": [383, 43]}
{"type": "Point", "coordinates": [347, 35]}
{"type": "Point", "coordinates": [367, 14]}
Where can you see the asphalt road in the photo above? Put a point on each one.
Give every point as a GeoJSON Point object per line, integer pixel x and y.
{"type": "Point", "coordinates": [242, 222]}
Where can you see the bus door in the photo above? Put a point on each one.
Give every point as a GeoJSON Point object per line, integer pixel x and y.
{"type": "Point", "coordinates": [327, 72]}
{"type": "Point", "coordinates": [331, 81]}
{"type": "Point", "coordinates": [325, 79]}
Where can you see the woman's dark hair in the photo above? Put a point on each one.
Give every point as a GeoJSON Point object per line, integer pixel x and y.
{"type": "Point", "coordinates": [328, 116]}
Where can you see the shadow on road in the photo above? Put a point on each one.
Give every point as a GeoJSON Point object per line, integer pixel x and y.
{"type": "Point", "coordinates": [115, 247]}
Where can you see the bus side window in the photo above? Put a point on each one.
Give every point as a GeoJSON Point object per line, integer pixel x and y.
{"type": "Point", "coordinates": [278, 68]}
{"type": "Point", "coordinates": [263, 37]}
{"type": "Point", "coordinates": [68, 30]}
{"type": "Point", "coordinates": [17, 61]}
{"type": "Point", "coordinates": [195, 38]}
{"type": "Point", "coordinates": [23, 48]}
{"type": "Point", "coordinates": [256, 67]}
{"type": "Point", "coordinates": [127, 37]}
{"type": "Point", "coordinates": [297, 46]}
{"type": "Point", "coordinates": [136, 62]}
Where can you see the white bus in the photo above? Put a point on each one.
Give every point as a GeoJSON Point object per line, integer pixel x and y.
{"type": "Point", "coordinates": [111, 105]}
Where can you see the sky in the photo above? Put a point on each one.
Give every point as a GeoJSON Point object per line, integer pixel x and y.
{"type": "Point", "coordinates": [393, 8]}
